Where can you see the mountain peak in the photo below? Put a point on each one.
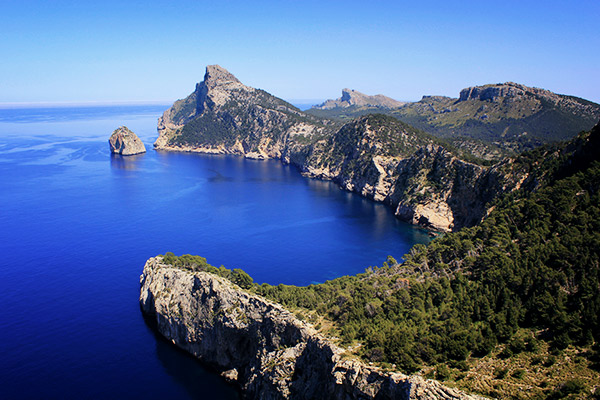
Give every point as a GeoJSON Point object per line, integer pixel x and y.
{"type": "Point", "coordinates": [351, 97]}
{"type": "Point", "coordinates": [215, 74]}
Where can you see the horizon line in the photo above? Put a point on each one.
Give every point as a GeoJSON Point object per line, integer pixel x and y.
{"type": "Point", "coordinates": [90, 103]}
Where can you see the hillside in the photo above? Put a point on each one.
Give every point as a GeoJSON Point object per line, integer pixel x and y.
{"type": "Point", "coordinates": [490, 121]}
{"type": "Point", "coordinates": [508, 308]}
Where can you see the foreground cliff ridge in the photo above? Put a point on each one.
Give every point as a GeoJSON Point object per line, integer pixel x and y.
{"type": "Point", "coordinates": [261, 346]}
{"type": "Point", "coordinates": [423, 179]}
{"type": "Point", "coordinates": [125, 142]}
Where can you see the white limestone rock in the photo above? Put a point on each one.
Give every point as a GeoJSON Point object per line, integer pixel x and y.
{"type": "Point", "coordinates": [125, 142]}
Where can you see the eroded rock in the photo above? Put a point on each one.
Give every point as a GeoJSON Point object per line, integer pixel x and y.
{"type": "Point", "coordinates": [125, 142]}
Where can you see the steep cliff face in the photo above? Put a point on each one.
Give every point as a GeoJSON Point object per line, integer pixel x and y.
{"type": "Point", "coordinates": [386, 160]}
{"type": "Point", "coordinates": [261, 346]}
{"type": "Point", "coordinates": [225, 116]}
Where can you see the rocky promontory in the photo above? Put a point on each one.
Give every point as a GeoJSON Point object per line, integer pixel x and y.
{"type": "Point", "coordinates": [263, 347]}
{"type": "Point", "coordinates": [125, 142]}
{"type": "Point", "coordinates": [354, 98]}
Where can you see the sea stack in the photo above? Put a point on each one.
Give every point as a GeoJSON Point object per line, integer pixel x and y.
{"type": "Point", "coordinates": [125, 142]}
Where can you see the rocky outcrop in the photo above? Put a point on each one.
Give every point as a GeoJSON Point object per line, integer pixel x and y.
{"type": "Point", "coordinates": [353, 98]}
{"type": "Point", "coordinates": [516, 91]}
{"type": "Point", "coordinates": [262, 347]}
{"type": "Point", "coordinates": [125, 142]}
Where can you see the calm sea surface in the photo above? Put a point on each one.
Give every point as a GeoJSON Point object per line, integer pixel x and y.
{"type": "Point", "coordinates": [77, 225]}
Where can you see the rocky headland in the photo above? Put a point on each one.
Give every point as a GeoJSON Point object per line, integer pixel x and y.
{"type": "Point", "coordinates": [125, 142]}
{"type": "Point", "coordinates": [263, 347]}
{"type": "Point", "coordinates": [425, 180]}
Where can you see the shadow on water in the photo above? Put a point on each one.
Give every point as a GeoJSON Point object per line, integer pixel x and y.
{"type": "Point", "coordinates": [198, 380]}
{"type": "Point", "coordinates": [130, 163]}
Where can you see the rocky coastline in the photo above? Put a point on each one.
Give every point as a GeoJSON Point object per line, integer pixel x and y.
{"type": "Point", "coordinates": [262, 347]}
{"type": "Point", "coordinates": [375, 156]}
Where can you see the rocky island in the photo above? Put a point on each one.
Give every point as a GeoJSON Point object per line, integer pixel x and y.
{"type": "Point", "coordinates": [125, 142]}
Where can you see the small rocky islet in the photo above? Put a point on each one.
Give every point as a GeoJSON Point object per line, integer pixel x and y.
{"type": "Point", "coordinates": [502, 260]}
{"type": "Point", "coordinates": [126, 143]}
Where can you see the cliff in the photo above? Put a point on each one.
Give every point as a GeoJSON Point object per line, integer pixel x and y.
{"type": "Point", "coordinates": [488, 121]}
{"type": "Point", "coordinates": [125, 142]}
{"type": "Point", "coordinates": [262, 347]}
{"type": "Point", "coordinates": [386, 160]}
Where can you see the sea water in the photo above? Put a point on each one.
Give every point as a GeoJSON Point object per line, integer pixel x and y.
{"type": "Point", "coordinates": [77, 225]}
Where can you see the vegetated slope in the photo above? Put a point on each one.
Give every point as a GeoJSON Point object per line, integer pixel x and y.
{"type": "Point", "coordinates": [490, 121]}
{"type": "Point", "coordinates": [509, 308]}
{"type": "Point", "coordinates": [531, 266]}
{"type": "Point", "coordinates": [224, 116]}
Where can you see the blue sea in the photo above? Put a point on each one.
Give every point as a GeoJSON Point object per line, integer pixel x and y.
{"type": "Point", "coordinates": [78, 224]}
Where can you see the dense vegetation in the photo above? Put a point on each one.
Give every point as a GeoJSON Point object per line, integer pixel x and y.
{"type": "Point", "coordinates": [526, 278]}
{"type": "Point", "coordinates": [239, 119]}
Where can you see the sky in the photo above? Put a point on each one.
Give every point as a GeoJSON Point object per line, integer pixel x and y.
{"type": "Point", "coordinates": [156, 51]}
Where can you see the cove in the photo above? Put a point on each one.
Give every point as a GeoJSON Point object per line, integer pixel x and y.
{"type": "Point", "coordinates": [78, 225]}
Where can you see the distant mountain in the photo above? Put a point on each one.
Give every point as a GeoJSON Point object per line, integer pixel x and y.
{"type": "Point", "coordinates": [353, 98]}
{"type": "Point", "coordinates": [490, 121]}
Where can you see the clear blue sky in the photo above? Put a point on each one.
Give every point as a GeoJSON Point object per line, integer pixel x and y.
{"type": "Point", "coordinates": [55, 51]}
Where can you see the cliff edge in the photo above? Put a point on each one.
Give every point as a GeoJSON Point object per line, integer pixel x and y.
{"type": "Point", "coordinates": [261, 346]}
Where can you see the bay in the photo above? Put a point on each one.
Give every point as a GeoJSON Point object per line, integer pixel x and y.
{"type": "Point", "coordinates": [78, 225]}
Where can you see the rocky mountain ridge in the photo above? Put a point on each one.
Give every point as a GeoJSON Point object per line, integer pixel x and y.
{"type": "Point", "coordinates": [353, 98]}
{"type": "Point", "coordinates": [492, 120]}
{"type": "Point", "coordinates": [261, 346]}
{"type": "Point", "coordinates": [422, 178]}
{"type": "Point", "coordinates": [223, 116]}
